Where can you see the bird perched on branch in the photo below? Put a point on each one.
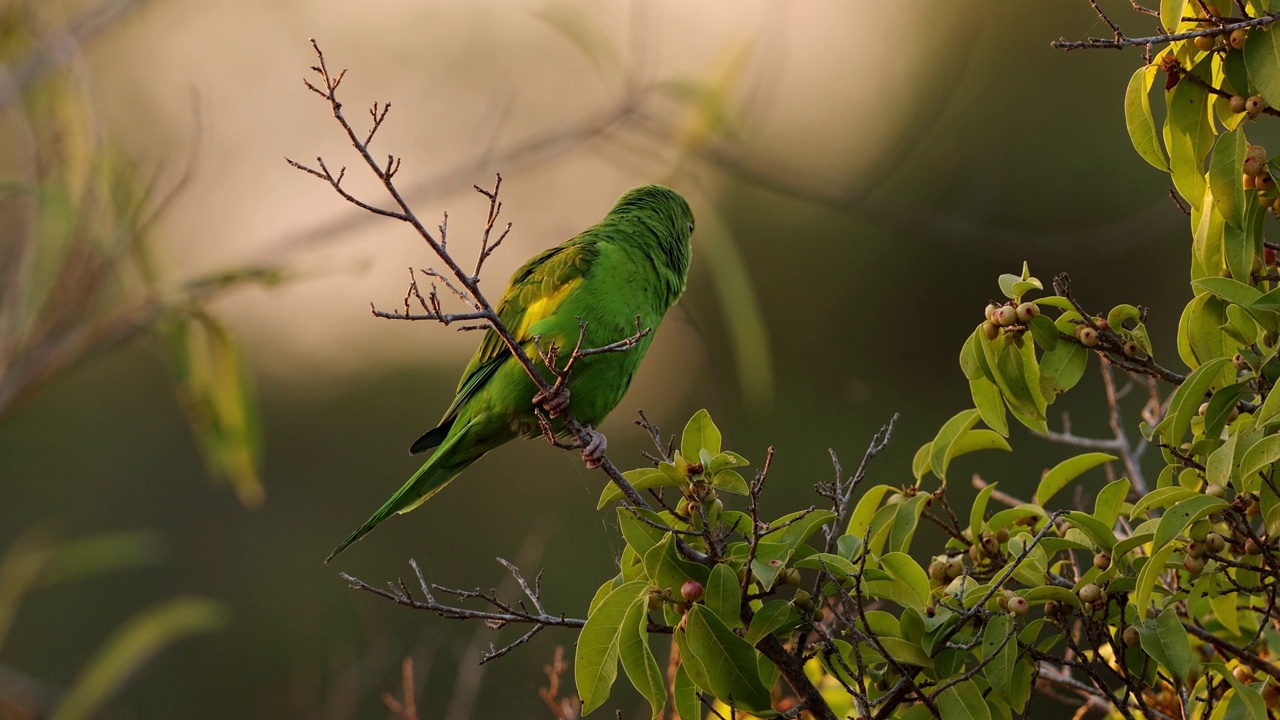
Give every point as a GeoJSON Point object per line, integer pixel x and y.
{"type": "Point", "coordinates": [610, 283]}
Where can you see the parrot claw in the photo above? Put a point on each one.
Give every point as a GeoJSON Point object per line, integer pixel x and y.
{"type": "Point", "coordinates": [553, 402]}
{"type": "Point", "coordinates": [593, 453]}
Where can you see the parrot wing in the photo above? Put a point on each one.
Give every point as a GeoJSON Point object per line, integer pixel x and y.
{"type": "Point", "coordinates": [535, 292]}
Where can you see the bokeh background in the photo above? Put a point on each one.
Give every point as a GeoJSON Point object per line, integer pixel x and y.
{"type": "Point", "coordinates": [861, 173]}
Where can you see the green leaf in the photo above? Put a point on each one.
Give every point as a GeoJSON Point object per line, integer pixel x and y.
{"type": "Point", "coordinates": [1099, 533]}
{"type": "Point", "coordinates": [729, 662]}
{"type": "Point", "coordinates": [685, 696]}
{"type": "Point", "coordinates": [134, 644]}
{"type": "Point", "coordinates": [903, 567]}
{"type": "Point", "coordinates": [1149, 576]}
{"type": "Point", "coordinates": [1256, 706]}
{"type": "Point", "coordinates": [724, 596]}
{"type": "Point", "coordinates": [1262, 58]}
{"type": "Point", "coordinates": [1110, 501]}
{"type": "Point", "coordinates": [1000, 660]}
{"type": "Point", "coordinates": [1179, 517]}
{"type": "Point", "coordinates": [665, 567]}
{"type": "Point", "coordinates": [1188, 135]}
{"type": "Point", "coordinates": [963, 701]}
{"type": "Point", "coordinates": [1061, 368]}
{"type": "Point", "coordinates": [987, 398]}
{"type": "Point", "coordinates": [834, 564]}
{"type": "Point", "coordinates": [639, 535]}
{"type": "Point", "coordinates": [1232, 291]}
{"type": "Point", "coordinates": [641, 479]}
{"type": "Point", "coordinates": [1171, 14]}
{"type": "Point", "coordinates": [730, 481]}
{"type": "Point", "coordinates": [1161, 498]}
{"type": "Point", "coordinates": [905, 651]}
{"type": "Point", "coordinates": [860, 520]}
{"type": "Point", "coordinates": [979, 510]}
{"type": "Point", "coordinates": [698, 434]}
{"type": "Point", "coordinates": [1165, 640]}
{"type": "Point", "coordinates": [637, 659]}
{"type": "Point", "coordinates": [1013, 363]}
{"type": "Point", "coordinates": [967, 442]}
{"type": "Point", "coordinates": [803, 524]}
{"type": "Point", "coordinates": [595, 664]}
{"type": "Point", "coordinates": [1224, 177]}
{"type": "Point", "coordinates": [771, 617]}
{"type": "Point", "coordinates": [771, 559]}
{"type": "Point", "coordinates": [1044, 331]}
{"type": "Point", "coordinates": [1261, 455]}
{"type": "Point", "coordinates": [1138, 119]}
{"type": "Point", "coordinates": [1066, 471]}
{"type": "Point", "coordinates": [951, 431]}
{"type": "Point", "coordinates": [1185, 402]}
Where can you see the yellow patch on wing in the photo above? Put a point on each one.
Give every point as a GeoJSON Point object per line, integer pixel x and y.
{"type": "Point", "coordinates": [541, 308]}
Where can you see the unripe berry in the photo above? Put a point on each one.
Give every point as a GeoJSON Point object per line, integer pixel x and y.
{"type": "Point", "coordinates": [1247, 182]}
{"type": "Point", "coordinates": [990, 546]}
{"type": "Point", "coordinates": [955, 567]}
{"type": "Point", "coordinates": [1214, 543]}
{"type": "Point", "coordinates": [1271, 695]}
{"type": "Point", "coordinates": [1052, 608]}
{"type": "Point", "coordinates": [654, 602]}
{"type": "Point", "coordinates": [803, 601]}
{"type": "Point", "coordinates": [791, 576]}
{"type": "Point", "coordinates": [1102, 324]}
{"type": "Point", "coordinates": [1203, 43]}
{"type": "Point", "coordinates": [1002, 535]}
{"type": "Point", "coordinates": [1195, 550]}
{"type": "Point", "coordinates": [1026, 311]}
{"type": "Point", "coordinates": [990, 330]}
{"type": "Point", "coordinates": [975, 553]}
{"type": "Point", "coordinates": [1102, 561]}
{"type": "Point", "coordinates": [1132, 349]}
{"type": "Point", "coordinates": [1236, 103]}
{"type": "Point", "coordinates": [1088, 336]}
{"type": "Point", "coordinates": [1255, 105]}
{"type": "Point", "coordinates": [1251, 547]}
{"type": "Point", "coordinates": [1090, 594]}
{"type": "Point", "coordinates": [1213, 490]}
{"type": "Point", "coordinates": [1243, 674]}
{"type": "Point", "coordinates": [1239, 362]}
{"type": "Point", "coordinates": [691, 591]}
{"type": "Point", "coordinates": [1255, 152]}
{"type": "Point", "coordinates": [1131, 637]}
{"type": "Point", "coordinates": [1253, 167]}
{"type": "Point", "coordinates": [989, 312]}
{"type": "Point", "coordinates": [938, 571]}
{"type": "Point", "coordinates": [1264, 183]}
{"type": "Point", "coordinates": [1204, 408]}
{"type": "Point", "coordinates": [1237, 38]}
{"type": "Point", "coordinates": [1267, 339]}
{"type": "Point", "coordinates": [1018, 605]}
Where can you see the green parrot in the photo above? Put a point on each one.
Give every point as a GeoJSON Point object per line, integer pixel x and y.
{"type": "Point", "coordinates": [632, 264]}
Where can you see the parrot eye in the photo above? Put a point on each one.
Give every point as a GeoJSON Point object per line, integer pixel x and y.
{"type": "Point", "coordinates": [690, 227]}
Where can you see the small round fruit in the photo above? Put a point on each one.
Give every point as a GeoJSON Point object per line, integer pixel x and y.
{"type": "Point", "coordinates": [990, 546]}
{"type": "Point", "coordinates": [990, 330]}
{"type": "Point", "coordinates": [1247, 182]}
{"type": "Point", "coordinates": [1236, 41]}
{"type": "Point", "coordinates": [1006, 315]}
{"type": "Point", "coordinates": [938, 571]}
{"type": "Point", "coordinates": [1255, 152]}
{"type": "Point", "coordinates": [1271, 694]}
{"type": "Point", "coordinates": [1251, 547]}
{"type": "Point", "coordinates": [1002, 535]}
{"type": "Point", "coordinates": [1195, 549]}
{"type": "Point", "coordinates": [1254, 105]}
{"type": "Point", "coordinates": [1268, 340]}
{"type": "Point", "coordinates": [791, 576]}
{"type": "Point", "coordinates": [1214, 543]}
{"type": "Point", "coordinates": [1243, 674]}
{"type": "Point", "coordinates": [691, 591]}
{"type": "Point", "coordinates": [803, 601]}
{"type": "Point", "coordinates": [1090, 594]}
{"type": "Point", "coordinates": [1102, 561]}
{"type": "Point", "coordinates": [1132, 349]}
{"type": "Point", "coordinates": [1088, 336]}
{"type": "Point", "coordinates": [1052, 608]}
{"type": "Point", "coordinates": [1239, 362]}
{"type": "Point", "coordinates": [1102, 324]}
{"type": "Point", "coordinates": [1026, 311]}
{"type": "Point", "coordinates": [1264, 183]}
{"type": "Point", "coordinates": [1199, 530]}
{"type": "Point", "coordinates": [1253, 167]}
{"type": "Point", "coordinates": [1204, 43]}
{"type": "Point", "coordinates": [1214, 490]}
{"type": "Point", "coordinates": [1018, 605]}
{"type": "Point", "coordinates": [975, 553]}
{"type": "Point", "coordinates": [1193, 565]}
{"type": "Point", "coordinates": [1236, 103]}
{"type": "Point", "coordinates": [989, 312]}
{"type": "Point", "coordinates": [1131, 637]}
{"type": "Point", "coordinates": [1204, 408]}
{"type": "Point", "coordinates": [955, 567]}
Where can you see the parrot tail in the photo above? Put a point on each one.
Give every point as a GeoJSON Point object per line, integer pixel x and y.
{"type": "Point", "coordinates": [442, 467]}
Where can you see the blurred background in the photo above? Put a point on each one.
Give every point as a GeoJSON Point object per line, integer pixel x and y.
{"type": "Point", "coordinates": [196, 404]}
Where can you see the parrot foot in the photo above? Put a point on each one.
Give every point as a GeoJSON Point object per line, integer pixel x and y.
{"type": "Point", "coordinates": [593, 453]}
{"type": "Point", "coordinates": [553, 402]}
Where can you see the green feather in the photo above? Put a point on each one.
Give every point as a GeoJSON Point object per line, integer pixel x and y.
{"type": "Point", "coordinates": [632, 264]}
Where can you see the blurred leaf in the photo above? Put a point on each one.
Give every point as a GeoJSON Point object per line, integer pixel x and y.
{"type": "Point", "coordinates": [1171, 14]}
{"type": "Point", "coordinates": [743, 315]}
{"type": "Point", "coordinates": [20, 570]}
{"type": "Point", "coordinates": [594, 44]}
{"type": "Point", "coordinates": [1137, 117]}
{"type": "Point", "coordinates": [99, 554]}
{"type": "Point", "coordinates": [134, 644]}
{"type": "Point", "coordinates": [217, 395]}
{"type": "Point", "coordinates": [684, 695]}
